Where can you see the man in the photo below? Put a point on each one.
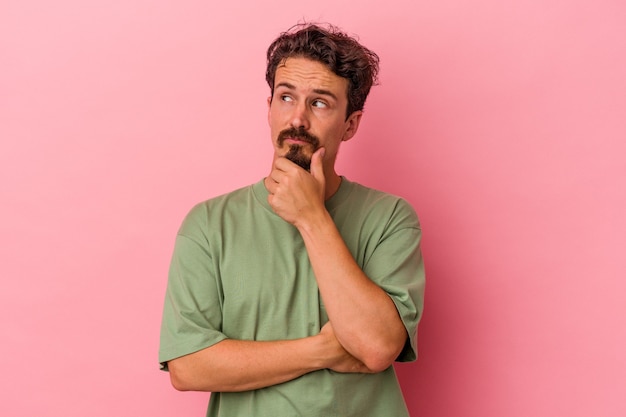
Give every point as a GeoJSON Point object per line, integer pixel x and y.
{"type": "Point", "coordinates": [294, 296]}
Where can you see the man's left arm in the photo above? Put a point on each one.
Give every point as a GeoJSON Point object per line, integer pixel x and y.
{"type": "Point", "coordinates": [364, 317]}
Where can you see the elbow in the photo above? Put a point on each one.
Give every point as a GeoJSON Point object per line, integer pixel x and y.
{"type": "Point", "coordinates": [381, 357]}
{"type": "Point", "coordinates": [182, 378]}
{"type": "Point", "coordinates": [378, 363]}
{"type": "Point", "coordinates": [178, 381]}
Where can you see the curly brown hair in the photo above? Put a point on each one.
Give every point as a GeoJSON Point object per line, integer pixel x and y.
{"type": "Point", "coordinates": [341, 53]}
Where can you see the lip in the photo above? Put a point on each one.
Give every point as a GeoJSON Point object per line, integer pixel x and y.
{"type": "Point", "coordinates": [295, 141]}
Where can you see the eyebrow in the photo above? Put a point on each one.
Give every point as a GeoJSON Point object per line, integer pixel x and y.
{"type": "Point", "coordinates": [316, 90]}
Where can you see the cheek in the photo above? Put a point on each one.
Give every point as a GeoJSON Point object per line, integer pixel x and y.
{"type": "Point", "coordinates": [331, 144]}
{"type": "Point", "coordinates": [275, 118]}
{"type": "Point", "coordinates": [273, 123]}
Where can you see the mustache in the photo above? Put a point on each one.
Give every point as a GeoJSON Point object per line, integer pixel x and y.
{"type": "Point", "coordinates": [299, 134]}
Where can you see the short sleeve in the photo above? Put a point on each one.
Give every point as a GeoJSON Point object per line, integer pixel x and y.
{"type": "Point", "coordinates": [396, 265]}
{"type": "Point", "coordinates": [192, 316]}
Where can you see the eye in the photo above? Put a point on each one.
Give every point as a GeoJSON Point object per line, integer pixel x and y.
{"type": "Point", "coordinates": [286, 98]}
{"type": "Point", "coordinates": [319, 104]}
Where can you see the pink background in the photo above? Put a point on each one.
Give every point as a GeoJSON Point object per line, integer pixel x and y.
{"type": "Point", "coordinates": [503, 123]}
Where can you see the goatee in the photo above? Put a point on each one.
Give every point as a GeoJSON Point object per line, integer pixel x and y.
{"type": "Point", "coordinates": [298, 157]}
{"type": "Point", "coordinates": [296, 153]}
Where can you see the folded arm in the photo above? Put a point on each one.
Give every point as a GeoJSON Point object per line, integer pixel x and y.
{"type": "Point", "coordinates": [241, 365]}
{"type": "Point", "coordinates": [364, 317]}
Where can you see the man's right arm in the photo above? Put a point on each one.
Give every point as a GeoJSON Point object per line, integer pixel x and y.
{"type": "Point", "coordinates": [242, 365]}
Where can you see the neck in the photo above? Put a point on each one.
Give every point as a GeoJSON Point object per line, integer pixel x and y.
{"type": "Point", "coordinates": [333, 181]}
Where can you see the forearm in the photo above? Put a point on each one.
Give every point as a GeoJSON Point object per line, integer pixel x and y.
{"type": "Point", "coordinates": [241, 365]}
{"type": "Point", "coordinates": [364, 317]}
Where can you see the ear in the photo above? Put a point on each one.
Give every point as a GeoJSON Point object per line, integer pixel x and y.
{"type": "Point", "coordinates": [352, 125]}
{"type": "Point", "coordinates": [269, 107]}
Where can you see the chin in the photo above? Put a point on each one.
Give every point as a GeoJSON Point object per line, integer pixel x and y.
{"type": "Point", "coordinates": [299, 156]}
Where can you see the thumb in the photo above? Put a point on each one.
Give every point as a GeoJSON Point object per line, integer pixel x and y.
{"type": "Point", "coordinates": [317, 166]}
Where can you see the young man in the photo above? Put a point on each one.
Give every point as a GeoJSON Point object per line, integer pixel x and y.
{"type": "Point", "coordinates": [294, 296]}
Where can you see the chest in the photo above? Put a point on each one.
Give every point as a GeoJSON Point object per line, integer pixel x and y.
{"type": "Point", "coordinates": [267, 284]}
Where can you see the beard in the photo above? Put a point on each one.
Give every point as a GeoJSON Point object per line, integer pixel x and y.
{"type": "Point", "coordinates": [297, 153]}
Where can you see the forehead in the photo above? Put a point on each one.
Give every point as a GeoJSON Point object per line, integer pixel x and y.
{"type": "Point", "coordinates": [305, 74]}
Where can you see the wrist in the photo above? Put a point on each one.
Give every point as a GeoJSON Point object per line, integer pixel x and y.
{"type": "Point", "coordinates": [318, 352]}
{"type": "Point", "coordinates": [314, 223]}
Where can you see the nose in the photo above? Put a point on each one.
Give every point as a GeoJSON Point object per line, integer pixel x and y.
{"type": "Point", "coordinates": [300, 116]}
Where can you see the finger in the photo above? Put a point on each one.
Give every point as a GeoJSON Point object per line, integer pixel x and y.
{"type": "Point", "coordinates": [273, 181]}
{"type": "Point", "coordinates": [276, 175]}
{"type": "Point", "coordinates": [317, 165]}
{"type": "Point", "coordinates": [283, 164]}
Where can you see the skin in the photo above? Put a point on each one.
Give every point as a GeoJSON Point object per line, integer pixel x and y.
{"type": "Point", "coordinates": [364, 332]}
{"type": "Point", "coordinates": [308, 95]}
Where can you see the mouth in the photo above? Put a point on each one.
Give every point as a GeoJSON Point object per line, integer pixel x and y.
{"type": "Point", "coordinates": [297, 141]}
{"type": "Point", "coordinates": [301, 137]}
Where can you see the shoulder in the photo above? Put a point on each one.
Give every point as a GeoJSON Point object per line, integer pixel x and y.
{"type": "Point", "coordinates": [380, 204]}
{"type": "Point", "coordinates": [213, 210]}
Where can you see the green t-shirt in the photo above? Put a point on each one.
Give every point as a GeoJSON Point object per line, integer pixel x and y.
{"type": "Point", "coordinates": [240, 271]}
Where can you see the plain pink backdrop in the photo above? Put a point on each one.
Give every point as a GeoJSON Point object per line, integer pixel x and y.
{"type": "Point", "coordinates": [503, 123]}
